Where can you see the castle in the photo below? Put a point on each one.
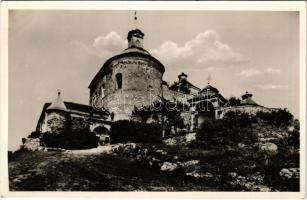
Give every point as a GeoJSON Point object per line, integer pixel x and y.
{"type": "Point", "coordinates": [134, 79]}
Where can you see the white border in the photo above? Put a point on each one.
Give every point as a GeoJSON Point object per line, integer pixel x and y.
{"type": "Point", "coordinates": [153, 5]}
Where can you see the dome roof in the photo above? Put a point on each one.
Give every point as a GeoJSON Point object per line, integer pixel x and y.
{"type": "Point", "coordinates": [57, 104]}
{"type": "Point", "coordinates": [136, 49]}
{"type": "Point", "coordinates": [210, 88]}
{"type": "Point", "coordinates": [248, 102]}
{"type": "Point", "coordinates": [247, 99]}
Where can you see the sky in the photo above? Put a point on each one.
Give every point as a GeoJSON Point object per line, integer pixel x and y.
{"type": "Point", "coordinates": [255, 51]}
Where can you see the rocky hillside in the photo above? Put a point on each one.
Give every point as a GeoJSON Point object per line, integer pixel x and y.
{"type": "Point", "coordinates": [236, 153]}
{"type": "Point", "coordinates": [104, 171]}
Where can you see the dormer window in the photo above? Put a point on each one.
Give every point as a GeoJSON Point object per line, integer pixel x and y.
{"type": "Point", "coordinates": [119, 80]}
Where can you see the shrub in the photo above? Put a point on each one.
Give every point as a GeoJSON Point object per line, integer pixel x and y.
{"type": "Point", "coordinates": [70, 140]}
{"type": "Point", "coordinates": [130, 131]}
{"type": "Point", "coordinates": [294, 137]}
{"type": "Point", "coordinates": [233, 101]}
{"type": "Point", "coordinates": [280, 117]}
{"type": "Point", "coordinates": [170, 110]}
{"type": "Point", "coordinates": [246, 160]}
{"type": "Point", "coordinates": [234, 128]}
{"type": "Point", "coordinates": [35, 134]}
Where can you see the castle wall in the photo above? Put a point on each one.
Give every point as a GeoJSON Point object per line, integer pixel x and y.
{"type": "Point", "coordinates": [56, 121]}
{"type": "Point", "coordinates": [123, 102]}
{"type": "Point", "coordinates": [79, 122]}
{"type": "Point", "coordinates": [252, 110]}
{"type": "Point", "coordinates": [173, 95]}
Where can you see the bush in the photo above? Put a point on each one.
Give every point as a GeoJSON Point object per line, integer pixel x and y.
{"type": "Point", "coordinates": [233, 101]}
{"type": "Point", "coordinates": [70, 140]}
{"type": "Point", "coordinates": [294, 137]}
{"type": "Point", "coordinates": [236, 152]}
{"type": "Point", "coordinates": [234, 128]}
{"type": "Point", "coordinates": [130, 131]}
{"type": "Point", "coordinates": [280, 117]}
{"type": "Point", "coordinates": [35, 134]}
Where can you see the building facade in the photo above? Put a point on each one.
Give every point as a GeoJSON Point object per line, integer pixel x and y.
{"type": "Point", "coordinates": [131, 80]}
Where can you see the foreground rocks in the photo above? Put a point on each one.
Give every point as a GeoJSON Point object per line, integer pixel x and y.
{"type": "Point", "coordinates": [290, 173]}
{"type": "Point", "coordinates": [62, 171]}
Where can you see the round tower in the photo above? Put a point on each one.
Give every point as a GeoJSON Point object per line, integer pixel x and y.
{"type": "Point", "coordinates": [57, 116]}
{"type": "Point", "coordinates": [132, 78]}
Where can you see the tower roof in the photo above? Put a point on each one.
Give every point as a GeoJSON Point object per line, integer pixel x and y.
{"type": "Point", "coordinates": [136, 32]}
{"type": "Point", "coordinates": [58, 104]}
{"type": "Point", "coordinates": [247, 99]}
{"type": "Point", "coordinates": [132, 51]}
{"type": "Point", "coordinates": [182, 74]}
{"type": "Point", "coordinates": [210, 88]}
{"type": "Point", "coordinates": [246, 95]}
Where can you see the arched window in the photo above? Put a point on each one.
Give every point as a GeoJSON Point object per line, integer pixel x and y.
{"type": "Point", "coordinates": [119, 80]}
{"type": "Point", "coordinates": [102, 90]}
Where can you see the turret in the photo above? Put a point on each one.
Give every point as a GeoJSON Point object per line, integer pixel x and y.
{"type": "Point", "coordinates": [135, 38]}
{"type": "Point", "coordinates": [57, 115]}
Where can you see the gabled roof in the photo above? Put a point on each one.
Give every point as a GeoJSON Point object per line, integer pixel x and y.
{"type": "Point", "coordinates": [210, 88]}
{"type": "Point", "coordinates": [204, 96]}
{"type": "Point", "coordinates": [73, 107]}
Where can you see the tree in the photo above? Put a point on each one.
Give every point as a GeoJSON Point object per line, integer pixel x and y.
{"type": "Point", "coordinates": [170, 109]}
{"type": "Point", "coordinates": [279, 117]}
{"type": "Point", "coordinates": [233, 101]}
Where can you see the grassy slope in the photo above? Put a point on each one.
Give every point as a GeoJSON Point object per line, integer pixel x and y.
{"type": "Point", "coordinates": [52, 171]}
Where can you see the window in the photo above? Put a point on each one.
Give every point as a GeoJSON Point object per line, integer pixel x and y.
{"type": "Point", "coordinates": [119, 80]}
{"type": "Point", "coordinates": [102, 90]}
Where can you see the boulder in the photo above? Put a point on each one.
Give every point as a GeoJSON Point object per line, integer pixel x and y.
{"type": "Point", "coordinates": [197, 174]}
{"type": "Point", "coordinates": [269, 148]}
{"type": "Point", "coordinates": [181, 140]}
{"type": "Point", "coordinates": [190, 163]}
{"type": "Point", "coordinates": [162, 152]}
{"type": "Point", "coordinates": [31, 144]}
{"type": "Point", "coordinates": [169, 167]}
{"type": "Point", "coordinates": [290, 173]}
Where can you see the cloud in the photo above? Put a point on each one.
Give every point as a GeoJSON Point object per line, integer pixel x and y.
{"type": "Point", "coordinates": [253, 72]}
{"type": "Point", "coordinates": [249, 72]}
{"type": "Point", "coordinates": [103, 46]}
{"type": "Point", "coordinates": [204, 51]}
{"type": "Point", "coordinates": [272, 87]}
{"type": "Point", "coordinates": [112, 43]}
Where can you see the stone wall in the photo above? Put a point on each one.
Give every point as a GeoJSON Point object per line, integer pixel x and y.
{"type": "Point", "coordinates": [138, 73]}
{"type": "Point", "coordinates": [186, 116]}
{"type": "Point", "coordinates": [141, 85]}
{"type": "Point", "coordinates": [250, 109]}
{"type": "Point", "coordinates": [31, 144]}
{"type": "Point", "coordinates": [173, 95]}
{"type": "Point", "coordinates": [79, 123]}
{"type": "Point", "coordinates": [56, 121]}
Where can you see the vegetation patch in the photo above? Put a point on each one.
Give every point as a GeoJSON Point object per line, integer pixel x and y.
{"type": "Point", "coordinates": [70, 140]}
{"type": "Point", "coordinates": [131, 131]}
